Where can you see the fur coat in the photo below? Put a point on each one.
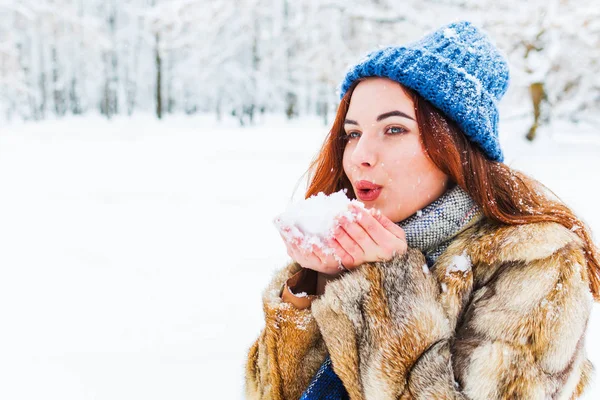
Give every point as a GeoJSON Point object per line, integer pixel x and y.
{"type": "Point", "coordinates": [502, 314]}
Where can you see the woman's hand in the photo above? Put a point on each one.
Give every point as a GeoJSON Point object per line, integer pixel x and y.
{"type": "Point", "coordinates": [313, 258]}
{"type": "Point", "coordinates": [372, 237]}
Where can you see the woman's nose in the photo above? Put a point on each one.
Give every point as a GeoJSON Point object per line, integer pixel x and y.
{"type": "Point", "coordinates": [365, 152]}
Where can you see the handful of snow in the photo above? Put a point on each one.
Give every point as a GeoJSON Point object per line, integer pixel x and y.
{"type": "Point", "coordinates": [312, 221]}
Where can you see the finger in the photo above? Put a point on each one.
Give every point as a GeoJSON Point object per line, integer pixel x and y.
{"type": "Point", "coordinates": [318, 254]}
{"type": "Point", "coordinates": [347, 243]}
{"type": "Point", "coordinates": [400, 244]}
{"type": "Point", "coordinates": [376, 231]}
{"type": "Point", "coordinates": [295, 254]}
{"type": "Point", "coordinates": [285, 233]}
{"type": "Point", "coordinates": [286, 240]}
{"type": "Point", "coordinates": [321, 254]}
{"type": "Point", "coordinates": [291, 233]}
{"type": "Point", "coordinates": [391, 226]}
{"type": "Point", "coordinates": [344, 257]}
{"type": "Point", "coordinates": [331, 265]}
{"type": "Point", "coordinates": [310, 259]}
{"type": "Point", "coordinates": [361, 237]}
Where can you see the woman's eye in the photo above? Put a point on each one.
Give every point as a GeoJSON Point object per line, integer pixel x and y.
{"type": "Point", "coordinates": [395, 130]}
{"type": "Point", "coordinates": [392, 130]}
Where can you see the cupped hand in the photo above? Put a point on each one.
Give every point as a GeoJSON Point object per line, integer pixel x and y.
{"type": "Point", "coordinates": [371, 237]}
{"type": "Point", "coordinates": [313, 258]}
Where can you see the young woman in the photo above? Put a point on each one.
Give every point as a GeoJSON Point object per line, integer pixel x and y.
{"type": "Point", "coordinates": [475, 282]}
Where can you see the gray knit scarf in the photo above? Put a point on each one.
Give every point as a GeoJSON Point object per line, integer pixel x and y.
{"type": "Point", "coordinates": [432, 229]}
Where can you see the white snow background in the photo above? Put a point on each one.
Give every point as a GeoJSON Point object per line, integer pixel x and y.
{"type": "Point", "coordinates": [133, 252]}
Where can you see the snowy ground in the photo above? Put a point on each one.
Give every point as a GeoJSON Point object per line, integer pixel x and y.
{"type": "Point", "coordinates": [133, 253]}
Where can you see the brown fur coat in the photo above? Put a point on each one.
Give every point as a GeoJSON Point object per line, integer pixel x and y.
{"type": "Point", "coordinates": [511, 325]}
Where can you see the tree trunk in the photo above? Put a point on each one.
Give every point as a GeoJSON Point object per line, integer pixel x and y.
{"type": "Point", "coordinates": [538, 95]}
{"type": "Point", "coordinates": [291, 99]}
{"type": "Point", "coordinates": [158, 60]}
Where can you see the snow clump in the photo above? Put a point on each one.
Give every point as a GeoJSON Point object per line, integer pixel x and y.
{"type": "Point", "coordinates": [313, 220]}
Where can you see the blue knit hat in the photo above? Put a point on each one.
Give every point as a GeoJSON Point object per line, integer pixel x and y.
{"type": "Point", "coordinates": [458, 69]}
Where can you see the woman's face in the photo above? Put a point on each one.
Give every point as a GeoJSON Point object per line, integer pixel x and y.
{"type": "Point", "coordinates": [383, 148]}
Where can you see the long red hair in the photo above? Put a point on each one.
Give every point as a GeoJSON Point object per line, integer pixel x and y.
{"type": "Point", "coordinates": [504, 195]}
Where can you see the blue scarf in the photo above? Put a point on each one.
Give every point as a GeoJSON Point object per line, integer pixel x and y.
{"type": "Point", "coordinates": [326, 385]}
{"type": "Point", "coordinates": [429, 230]}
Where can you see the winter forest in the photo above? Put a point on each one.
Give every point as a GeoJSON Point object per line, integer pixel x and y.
{"type": "Point", "coordinates": [248, 57]}
{"type": "Point", "coordinates": [146, 147]}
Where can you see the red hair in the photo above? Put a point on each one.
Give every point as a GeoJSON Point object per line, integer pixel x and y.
{"type": "Point", "coordinates": [505, 195]}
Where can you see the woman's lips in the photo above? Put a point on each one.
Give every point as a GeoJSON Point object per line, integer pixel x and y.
{"type": "Point", "coordinates": [368, 194]}
{"type": "Point", "coordinates": [365, 184]}
{"type": "Point", "coordinates": [367, 190]}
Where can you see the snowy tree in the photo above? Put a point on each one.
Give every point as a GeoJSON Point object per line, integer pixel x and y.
{"type": "Point", "coordinates": [250, 57]}
{"type": "Point", "coordinates": [553, 50]}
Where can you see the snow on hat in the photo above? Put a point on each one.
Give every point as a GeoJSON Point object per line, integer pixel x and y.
{"type": "Point", "coordinates": [458, 69]}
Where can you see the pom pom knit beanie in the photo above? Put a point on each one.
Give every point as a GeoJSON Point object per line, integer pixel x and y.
{"type": "Point", "coordinates": [458, 69]}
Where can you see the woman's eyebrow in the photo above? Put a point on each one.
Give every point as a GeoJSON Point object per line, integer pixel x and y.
{"type": "Point", "coordinates": [382, 117]}
{"type": "Point", "coordinates": [394, 114]}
